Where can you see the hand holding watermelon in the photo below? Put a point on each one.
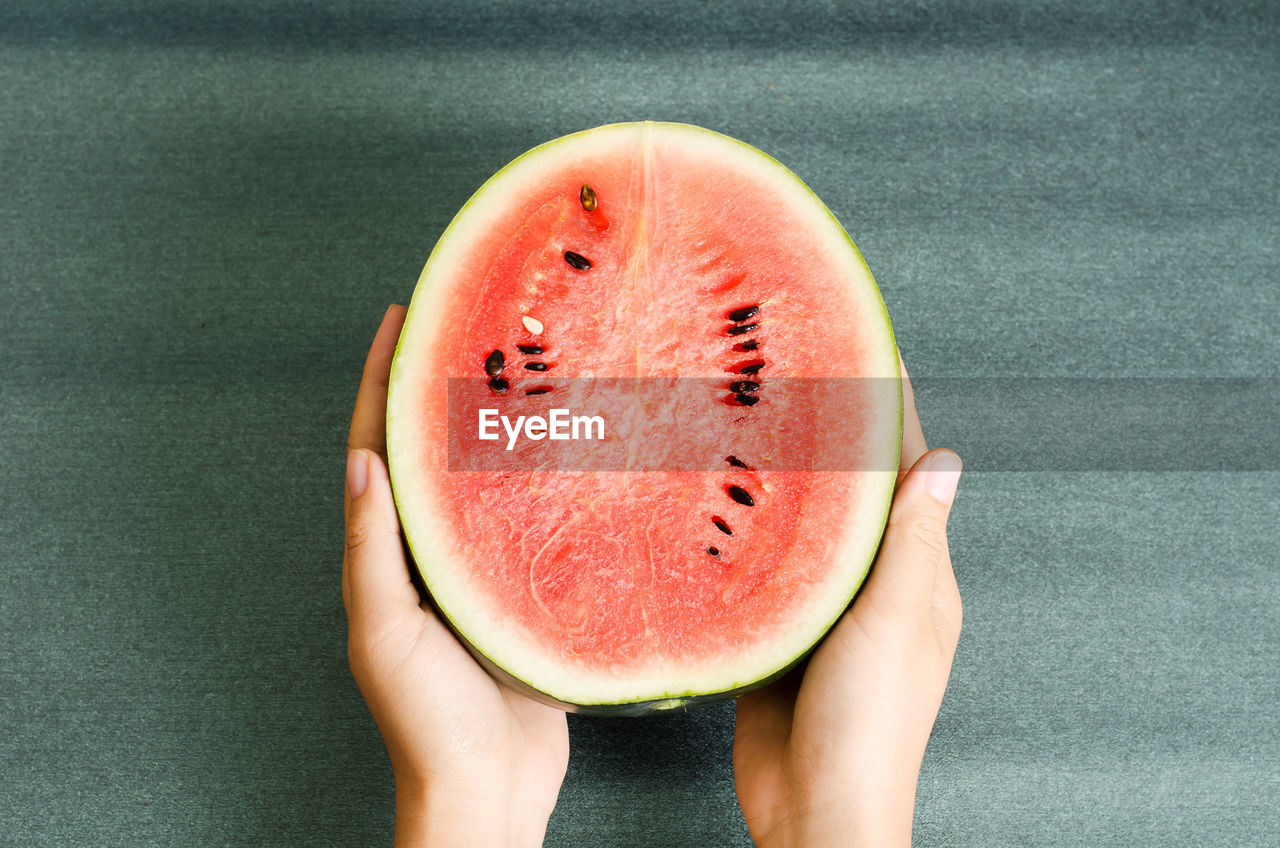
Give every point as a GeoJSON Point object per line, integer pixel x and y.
{"type": "Point", "coordinates": [830, 755]}
{"type": "Point", "coordinates": [705, 561]}
{"type": "Point", "coordinates": [475, 763]}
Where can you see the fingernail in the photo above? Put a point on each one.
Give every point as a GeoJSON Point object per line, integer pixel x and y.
{"type": "Point", "coordinates": [357, 473]}
{"type": "Point", "coordinates": [942, 477]}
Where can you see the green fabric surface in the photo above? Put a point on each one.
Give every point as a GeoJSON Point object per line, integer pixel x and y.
{"type": "Point", "coordinates": [205, 208]}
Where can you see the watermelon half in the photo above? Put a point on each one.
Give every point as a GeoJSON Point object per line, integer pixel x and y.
{"type": "Point", "coordinates": [696, 296]}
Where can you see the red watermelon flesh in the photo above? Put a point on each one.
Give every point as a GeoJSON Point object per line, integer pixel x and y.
{"type": "Point", "coordinates": [663, 262]}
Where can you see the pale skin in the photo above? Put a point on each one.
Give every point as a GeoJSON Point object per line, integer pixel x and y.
{"type": "Point", "coordinates": [828, 756]}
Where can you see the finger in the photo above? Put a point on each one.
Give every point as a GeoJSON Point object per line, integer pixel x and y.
{"type": "Point", "coordinates": [913, 444]}
{"type": "Point", "coordinates": [915, 543]}
{"type": "Point", "coordinates": [369, 421]}
{"type": "Point", "coordinates": [375, 573]}
{"type": "Point", "coordinates": [766, 713]}
{"type": "Point", "coordinates": [763, 721]}
{"type": "Point", "coordinates": [948, 608]}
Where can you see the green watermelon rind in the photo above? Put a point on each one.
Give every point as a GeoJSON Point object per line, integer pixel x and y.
{"type": "Point", "coordinates": [650, 703]}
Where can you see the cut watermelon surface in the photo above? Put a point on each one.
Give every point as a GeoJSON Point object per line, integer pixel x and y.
{"type": "Point", "coordinates": [701, 302]}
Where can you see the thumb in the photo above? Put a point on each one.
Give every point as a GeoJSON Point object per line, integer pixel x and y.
{"type": "Point", "coordinates": [375, 573]}
{"type": "Point", "coordinates": [915, 541]}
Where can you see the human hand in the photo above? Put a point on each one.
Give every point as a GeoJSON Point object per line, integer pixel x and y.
{"type": "Point", "coordinates": [475, 763]}
{"type": "Point", "coordinates": [830, 755]}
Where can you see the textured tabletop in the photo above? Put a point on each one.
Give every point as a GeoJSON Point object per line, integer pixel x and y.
{"type": "Point", "coordinates": [205, 208]}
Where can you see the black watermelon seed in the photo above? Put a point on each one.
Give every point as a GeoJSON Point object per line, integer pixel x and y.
{"type": "Point", "coordinates": [536, 366]}
{"type": "Point", "coordinates": [715, 552]}
{"type": "Point", "coordinates": [753, 368]}
{"type": "Point", "coordinates": [493, 365]}
{"type": "Point", "coordinates": [499, 385]}
{"type": "Point", "coordinates": [744, 313]}
{"type": "Point", "coordinates": [587, 197]}
{"type": "Point", "coordinates": [537, 391]}
{"type": "Point", "coordinates": [749, 344]}
{"type": "Point", "coordinates": [577, 260]}
{"type": "Point", "coordinates": [747, 400]}
{"type": "Point", "coordinates": [741, 495]}
{"type": "Point", "coordinates": [739, 329]}
{"type": "Point", "coordinates": [722, 527]}
{"type": "Point", "coordinates": [735, 462]}
{"type": "Point", "coordinates": [532, 349]}
{"type": "Point", "coordinates": [744, 386]}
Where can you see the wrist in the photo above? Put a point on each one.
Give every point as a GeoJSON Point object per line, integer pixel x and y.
{"type": "Point", "coordinates": [440, 818]}
{"type": "Point", "coordinates": [854, 820]}
{"type": "Point", "coordinates": [444, 818]}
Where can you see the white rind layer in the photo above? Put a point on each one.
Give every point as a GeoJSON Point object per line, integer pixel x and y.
{"type": "Point", "coordinates": [434, 542]}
